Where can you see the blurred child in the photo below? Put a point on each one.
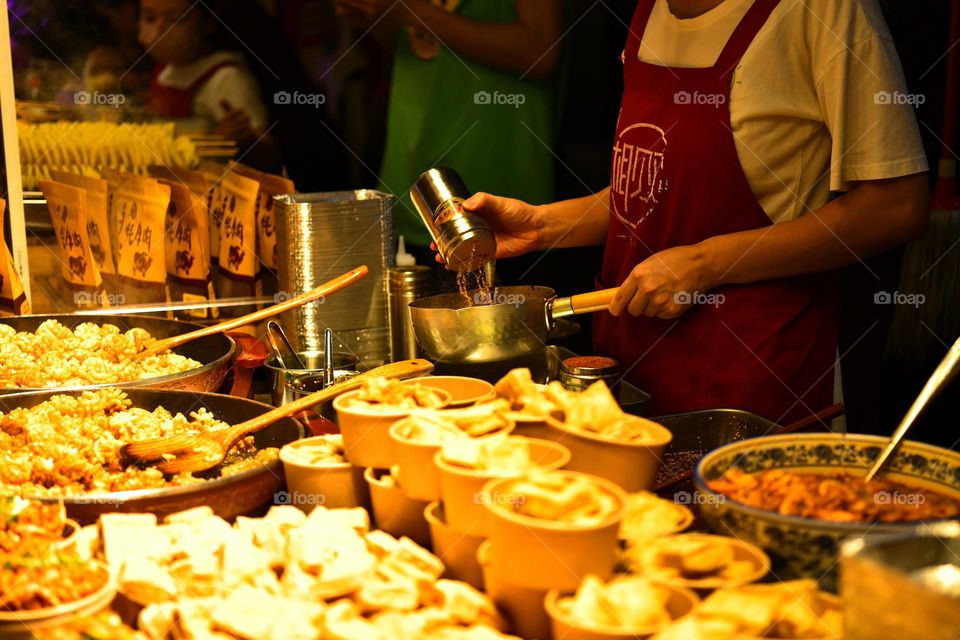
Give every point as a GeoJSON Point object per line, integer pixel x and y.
{"type": "Point", "coordinates": [193, 80]}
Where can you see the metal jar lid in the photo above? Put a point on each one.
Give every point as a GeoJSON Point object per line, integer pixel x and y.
{"type": "Point", "coordinates": [590, 366]}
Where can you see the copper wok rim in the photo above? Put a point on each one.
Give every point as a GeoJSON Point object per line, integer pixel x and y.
{"type": "Point", "coordinates": [120, 497]}
{"type": "Point", "coordinates": [221, 361]}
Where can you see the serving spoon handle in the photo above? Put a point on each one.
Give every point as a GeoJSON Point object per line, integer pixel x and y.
{"type": "Point", "coordinates": [941, 376]}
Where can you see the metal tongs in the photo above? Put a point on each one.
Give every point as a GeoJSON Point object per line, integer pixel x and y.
{"type": "Point", "coordinates": [282, 349]}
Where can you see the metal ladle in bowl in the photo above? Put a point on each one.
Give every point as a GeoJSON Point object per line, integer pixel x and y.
{"type": "Point", "coordinates": [941, 376]}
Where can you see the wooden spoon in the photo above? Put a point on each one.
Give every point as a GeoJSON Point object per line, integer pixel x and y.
{"type": "Point", "coordinates": [325, 289]}
{"type": "Point", "coordinates": [199, 452]}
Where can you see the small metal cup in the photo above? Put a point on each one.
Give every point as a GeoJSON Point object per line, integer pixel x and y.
{"type": "Point", "coordinates": [321, 418]}
{"type": "Point", "coordinates": [282, 377]}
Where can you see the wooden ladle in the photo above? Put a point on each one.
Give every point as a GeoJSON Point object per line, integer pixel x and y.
{"type": "Point", "coordinates": [331, 286]}
{"type": "Point", "coordinates": [202, 451]}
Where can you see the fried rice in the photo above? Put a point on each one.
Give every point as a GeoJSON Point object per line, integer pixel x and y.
{"type": "Point", "coordinates": [55, 356]}
{"type": "Point", "coordinates": [70, 445]}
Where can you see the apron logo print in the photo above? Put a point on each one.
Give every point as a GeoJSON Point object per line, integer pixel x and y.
{"type": "Point", "coordinates": [636, 180]}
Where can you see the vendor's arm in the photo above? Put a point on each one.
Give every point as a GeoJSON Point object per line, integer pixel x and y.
{"type": "Point", "coordinates": [521, 228]}
{"type": "Point", "coordinates": [528, 46]}
{"type": "Point", "coordinates": [873, 217]}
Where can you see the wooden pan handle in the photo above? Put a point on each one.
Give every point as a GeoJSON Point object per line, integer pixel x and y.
{"type": "Point", "coordinates": [325, 289]}
{"type": "Point", "coordinates": [402, 369]}
{"type": "Point", "coordinates": [582, 303]}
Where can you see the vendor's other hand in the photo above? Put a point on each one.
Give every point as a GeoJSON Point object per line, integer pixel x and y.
{"type": "Point", "coordinates": [235, 125]}
{"type": "Point", "coordinates": [665, 285]}
{"type": "Point", "coordinates": [513, 222]}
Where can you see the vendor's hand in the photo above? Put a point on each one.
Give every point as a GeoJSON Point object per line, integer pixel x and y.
{"type": "Point", "coordinates": [235, 125]}
{"type": "Point", "coordinates": [513, 222]}
{"type": "Point", "coordinates": [664, 285]}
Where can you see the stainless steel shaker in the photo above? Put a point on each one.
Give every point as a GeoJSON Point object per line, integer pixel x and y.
{"type": "Point", "coordinates": [463, 239]}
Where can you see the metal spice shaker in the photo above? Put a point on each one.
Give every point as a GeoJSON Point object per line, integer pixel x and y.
{"type": "Point", "coordinates": [463, 239]}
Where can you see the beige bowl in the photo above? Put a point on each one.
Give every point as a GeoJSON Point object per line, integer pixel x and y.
{"type": "Point", "coordinates": [632, 466]}
{"type": "Point", "coordinates": [461, 489]}
{"type": "Point", "coordinates": [547, 554]}
{"type": "Point", "coordinates": [16, 625]}
{"type": "Point", "coordinates": [458, 550]}
{"type": "Point", "coordinates": [366, 441]}
{"type": "Point", "coordinates": [463, 390]}
{"type": "Point", "coordinates": [416, 470]}
{"type": "Point", "coordinates": [522, 606]}
{"type": "Point", "coordinates": [308, 485]}
{"type": "Point", "coordinates": [393, 511]}
{"type": "Point", "coordinates": [742, 552]}
{"type": "Point", "coordinates": [682, 601]}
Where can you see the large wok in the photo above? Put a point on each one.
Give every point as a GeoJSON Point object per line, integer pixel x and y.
{"type": "Point", "coordinates": [215, 352]}
{"type": "Point", "coordinates": [484, 327]}
{"type": "Point", "coordinates": [246, 492]}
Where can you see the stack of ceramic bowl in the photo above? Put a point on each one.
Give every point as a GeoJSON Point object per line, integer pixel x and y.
{"type": "Point", "coordinates": [313, 480]}
{"type": "Point", "coordinates": [368, 448]}
{"type": "Point", "coordinates": [321, 235]}
{"type": "Point", "coordinates": [458, 517]}
{"type": "Point", "coordinates": [396, 508]}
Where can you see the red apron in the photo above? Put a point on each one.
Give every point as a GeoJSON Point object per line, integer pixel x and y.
{"type": "Point", "coordinates": [676, 180]}
{"type": "Point", "coordinates": [174, 102]}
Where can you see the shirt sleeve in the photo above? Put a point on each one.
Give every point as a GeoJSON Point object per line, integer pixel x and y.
{"type": "Point", "coordinates": [236, 85]}
{"type": "Point", "coordinates": [870, 115]}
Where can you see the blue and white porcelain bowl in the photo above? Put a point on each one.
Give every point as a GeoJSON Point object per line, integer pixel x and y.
{"type": "Point", "coordinates": [806, 547]}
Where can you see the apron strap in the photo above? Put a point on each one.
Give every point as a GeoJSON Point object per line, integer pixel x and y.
{"type": "Point", "coordinates": [744, 34]}
{"type": "Point", "coordinates": [638, 25]}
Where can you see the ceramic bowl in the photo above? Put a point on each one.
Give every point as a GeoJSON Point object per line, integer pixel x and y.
{"type": "Point", "coordinates": [395, 512]}
{"type": "Point", "coordinates": [332, 485]}
{"type": "Point", "coordinates": [458, 550]}
{"type": "Point", "coordinates": [550, 554]}
{"type": "Point", "coordinates": [22, 624]}
{"type": "Point", "coordinates": [679, 604]}
{"type": "Point", "coordinates": [806, 547]}
{"type": "Point", "coordinates": [464, 391]}
{"type": "Point", "coordinates": [461, 488]}
{"type": "Point", "coordinates": [633, 466]}
{"type": "Point", "coordinates": [365, 430]}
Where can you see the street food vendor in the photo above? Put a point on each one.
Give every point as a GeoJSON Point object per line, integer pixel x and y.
{"type": "Point", "coordinates": [739, 119]}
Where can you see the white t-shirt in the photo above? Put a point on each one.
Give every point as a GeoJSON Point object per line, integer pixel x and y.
{"type": "Point", "coordinates": [818, 100]}
{"type": "Point", "coordinates": [235, 84]}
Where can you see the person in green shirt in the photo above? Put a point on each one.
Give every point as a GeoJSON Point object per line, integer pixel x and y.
{"type": "Point", "coordinates": [472, 89]}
